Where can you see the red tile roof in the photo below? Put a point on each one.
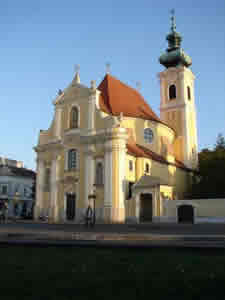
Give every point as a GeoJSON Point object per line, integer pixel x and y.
{"type": "Point", "coordinates": [140, 151]}
{"type": "Point", "coordinates": [117, 97]}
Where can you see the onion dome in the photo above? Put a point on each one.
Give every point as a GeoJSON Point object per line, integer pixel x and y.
{"type": "Point", "coordinates": [174, 55]}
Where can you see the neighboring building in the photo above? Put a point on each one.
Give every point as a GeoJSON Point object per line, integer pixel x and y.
{"type": "Point", "coordinates": [16, 186]}
{"type": "Point", "coordinates": [108, 141]}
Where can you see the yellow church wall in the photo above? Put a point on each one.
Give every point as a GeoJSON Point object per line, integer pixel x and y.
{"type": "Point", "coordinates": [178, 146]}
{"type": "Point", "coordinates": [159, 130]}
{"type": "Point", "coordinates": [182, 181]}
{"type": "Point", "coordinates": [130, 206]}
{"type": "Point", "coordinates": [167, 191]}
{"type": "Point", "coordinates": [99, 203]}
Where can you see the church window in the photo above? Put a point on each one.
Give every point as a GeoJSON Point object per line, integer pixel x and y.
{"type": "Point", "coordinates": [130, 184]}
{"type": "Point", "coordinates": [130, 165]}
{"type": "Point", "coordinates": [99, 173]}
{"type": "Point", "coordinates": [148, 135]}
{"type": "Point", "coordinates": [72, 159]}
{"type": "Point", "coordinates": [47, 179]}
{"type": "Point", "coordinates": [189, 92]}
{"type": "Point", "coordinates": [147, 168]}
{"type": "Point", "coordinates": [172, 92]}
{"type": "Point", "coordinates": [4, 190]}
{"type": "Point", "coordinates": [74, 115]}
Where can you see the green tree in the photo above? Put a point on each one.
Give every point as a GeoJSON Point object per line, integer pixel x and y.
{"type": "Point", "coordinates": [220, 142]}
{"type": "Point", "coordinates": [211, 180]}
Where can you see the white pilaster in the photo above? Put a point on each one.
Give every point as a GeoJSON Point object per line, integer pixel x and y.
{"type": "Point", "coordinates": [108, 174]}
{"type": "Point", "coordinates": [91, 112]}
{"type": "Point", "coordinates": [39, 187]}
{"type": "Point", "coordinates": [54, 190]}
{"type": "Point", "coordinates": [114, 188]}
{"type": "Point", "coordinates": [88, 173]}
{"type": "Point", "coordinates": [58, 121]}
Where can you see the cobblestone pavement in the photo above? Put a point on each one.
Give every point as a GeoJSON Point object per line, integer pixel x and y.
{"type": "Point", "coordinates": [152, 234]}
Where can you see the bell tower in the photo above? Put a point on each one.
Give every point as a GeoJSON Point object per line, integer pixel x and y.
{"type": "Point", "coordinates": [177, 105]}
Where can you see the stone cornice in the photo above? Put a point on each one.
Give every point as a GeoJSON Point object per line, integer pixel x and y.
{"type": "Point", "coordinates": [105, 135]}
{"type": "Point", "coordinates": [52, 145]}
{"type": "Point", "coordinates": [171, 106]}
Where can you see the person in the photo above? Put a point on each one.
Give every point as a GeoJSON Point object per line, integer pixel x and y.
{"type": "Point", "coordinates": [6, 210]}
{"type": "Point", "coordinates": [89, 221]}
{"type": "Point", "coordinates": [3, 210]}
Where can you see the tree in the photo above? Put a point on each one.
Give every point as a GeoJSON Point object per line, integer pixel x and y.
{"type": "Point", "coordinates": [211, 182]}
{"type": "Point", "coordinates": [220, 142]}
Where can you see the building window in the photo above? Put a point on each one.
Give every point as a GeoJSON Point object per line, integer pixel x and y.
{"type": "Point", "coordinates": [17, 186]}
{"type": "Point", "coordinates": [4, 190]}
{"type": "Point", "coordinates": [172, 92]}
{"type": "Point", "coordinates": [47, 180]}
{"type": "Point", "coordinates": [72, 159]}
{"type": "Point", "coordinates": [74, 116]}
{"type": "Point", "coordinates": [147, 168]}
{"type": "Point", "coordinates": [189, 93]}
{"type": "Point", "coordinates": [148, 135]}
{"type": "Point", "coordinates": [130, 165]}
{"type": "Point", "coordinates": [99, 173]}
{"type": "Point", "coordinates": [130, 184]}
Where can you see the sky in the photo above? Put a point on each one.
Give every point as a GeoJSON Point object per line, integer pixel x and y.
{"type": "Point", "coordinates": [42, 41]}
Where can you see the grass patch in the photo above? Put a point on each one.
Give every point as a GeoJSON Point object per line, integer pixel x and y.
{"type": "Point", "coordinates": [81, 273]}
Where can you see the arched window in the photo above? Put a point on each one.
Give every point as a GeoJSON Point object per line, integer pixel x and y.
{"type": "Point", "coordinates": [72, 159]}
{"type": "Point", "coordinates": [172, 92]}
{"type": "Point", "coordinates": [99, 173]}
{"type": "Point", "coordinates": [130, 165]}
{"type": "Point", "coordinates": [189, 93]}
{"type": "Point", "coordinates": [74, 116]}
{"type": "Point", "coordinates": [148, 135]}
{"type": "Point", "coordinates": [147, 169]}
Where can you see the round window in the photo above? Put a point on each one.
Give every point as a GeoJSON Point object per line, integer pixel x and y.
{"type": "Point", "coordinates": [148, 135]}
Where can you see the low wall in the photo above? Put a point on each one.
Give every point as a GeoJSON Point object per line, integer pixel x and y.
{"type": "Point", "coordinates": [205, 210]}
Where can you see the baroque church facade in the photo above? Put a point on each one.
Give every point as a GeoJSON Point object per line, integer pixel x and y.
{"type": "Point", "coordinates": [108, 149]}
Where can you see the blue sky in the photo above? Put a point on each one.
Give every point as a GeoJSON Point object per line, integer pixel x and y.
{"type": "Point", "coordinates": [41, 42]}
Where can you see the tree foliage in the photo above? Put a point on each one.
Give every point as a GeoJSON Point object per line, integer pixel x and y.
{"type": "Point", "coordinates": [211, 182]}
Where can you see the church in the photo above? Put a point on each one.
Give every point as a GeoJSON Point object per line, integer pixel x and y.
{"type": "Point", "coordinates": [107, 149]}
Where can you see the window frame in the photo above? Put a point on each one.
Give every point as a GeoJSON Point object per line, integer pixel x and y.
{"type": "Point", "coordinates": [4, 186]}
{"type": "Point", "coordinates": [148, 135]}
{"type": "Point", "coordinates": [188, 92]}
{"type": "Point", "coordinates": [147, 168]}
{"type": "Point", "coordinates": [172, 92]}
{"type": "Point", "coordinates": [131, 167]}
{"type": "Point", "coordinates": [72, 160]}
{"type": "Point", "coordinates": [99, 176]}
{"type": "Point", "coordinates": [74, 123]}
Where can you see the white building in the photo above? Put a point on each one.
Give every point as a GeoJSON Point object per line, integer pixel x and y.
{"type": "Point", "coordinates": [16, 186]}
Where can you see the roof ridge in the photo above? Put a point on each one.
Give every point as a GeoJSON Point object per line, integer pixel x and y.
{"type": "Point", "coordinates": [125, 84]}
{"type": "Point", "coordinates": [159, 157]}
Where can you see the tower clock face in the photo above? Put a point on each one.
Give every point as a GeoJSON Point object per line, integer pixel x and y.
{"type": "Point", "coordinates": [148, 135]}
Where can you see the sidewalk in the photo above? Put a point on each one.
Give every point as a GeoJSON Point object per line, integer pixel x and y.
{"type": "Point", "coordinates": [143, 235]}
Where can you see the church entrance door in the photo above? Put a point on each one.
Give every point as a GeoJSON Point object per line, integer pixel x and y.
{"type": "Point", "coordinates": [146, 208]}
{"type": "Point", "coordinates": [70, 206]}
{"type": "Point", "coordinates": [185, 214]}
